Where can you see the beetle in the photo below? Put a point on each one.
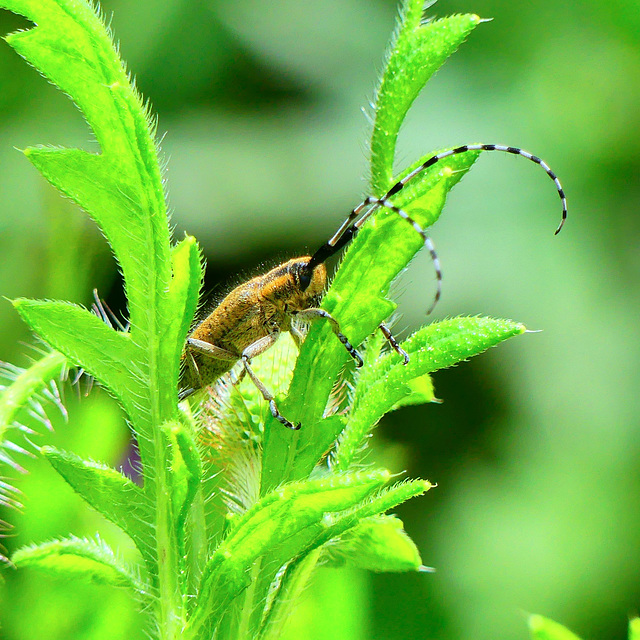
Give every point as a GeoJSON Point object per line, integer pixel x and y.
{"type": "Point", "coordinates": [252, 316]}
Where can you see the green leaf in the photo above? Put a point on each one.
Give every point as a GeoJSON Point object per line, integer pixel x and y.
{"type": "Point", "coordinates": [418, 51]}
{"type": "Point", "coordinates": [544, 629]}
{"type": "Point", "coordinates": [283, 524]}
{"type": "Point", "coordinates": [26, 385]}
{"type": "Point", "coordinates": [380, 502]}
{"type": "Point", "coordinates": [383, 248]}
{"type": "Point", "coordinates": [419, 391]}
{"type": "Point", "coordinates": [110, 493]}
{"type": "Point", "coordinates": [121, 188]}
{"type": "Point", "coordinates": [387, 381]}
{"type": "Point", "coordinates": [283, 601]}
{"type": "Point", "coordinates": [184, 292]}
{"type": "Point", "coordinates": [186, 473]}
{"type": "Point", "coordinates": [27, 389]}
{"type": "Point", "coordinates": [92, 560]}
{"type": "Point", "coordinates": [357, 299]}
{"type": "Point", "coordinates": [108, 355]}
{"type": "Point", "coordinates": [378, 543]}
{"type": "Point", "coordinates": [634, 629]}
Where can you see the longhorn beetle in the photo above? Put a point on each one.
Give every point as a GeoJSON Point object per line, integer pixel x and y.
{"type": "Point", "coordinates": [250, 319]}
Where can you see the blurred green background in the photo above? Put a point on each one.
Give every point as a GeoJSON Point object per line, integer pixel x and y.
{"type": "Point", "coordinates": [536, 449]}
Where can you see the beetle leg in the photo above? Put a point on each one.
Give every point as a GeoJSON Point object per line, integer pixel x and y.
{"type": "Point", "coordinates": [393, 342]}
{"type": "Point", "coordinates": [313, 312]}
{"type": "Point", "coordinates": [210, 350]}
{"type": "Point", "coordinates": [296, 334]}
{"type": "Point", "coordinates": [193, 367]}
{"type": "Point", "coordinates": [207, 350]}
{"type": "Point", "coordinates": [253, 350]}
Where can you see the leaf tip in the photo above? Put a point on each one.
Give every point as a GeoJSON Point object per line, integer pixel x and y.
{"type": "Point", "coordinates": [18, 303]}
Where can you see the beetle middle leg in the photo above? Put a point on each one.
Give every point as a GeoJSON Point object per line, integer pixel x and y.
{"type": "Point", "coordinates": [253, 350]}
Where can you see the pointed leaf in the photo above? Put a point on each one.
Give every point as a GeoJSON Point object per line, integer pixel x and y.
{"type": "Point", "coordinates": [437, 346]}
{"type": "Point", "coordinates": [108, 355]}
{"type": "Point", "coordinates": [26, 385]}
{"type": "Point", "coordinates": [186, 472]}
{"type": "Point", "coordinates": [419, 391]}
{"type": "Point", "coordinates": [381, 502]}
{"type": "Point", "coordinates": [110, 493]}
{"type": "Point", "coordinates": [386, 499]}
{"type": "Point", "coordinates": [287, 520]}
{"type": "Point", "coordinates": [93, 560]}
{"type": "Point", "coordinates": [121, 188]}
{"type": "Point", "coordinates": [283, 601]}
{"type": "Point", "coordinates": [357, 299]}
{"type": "Point", "coordinates": [378, 543]}
{"type": "Point", "coordinates": [27, 390]}
{"type": "Point", "coordinates": [184, 293]}
{"type": "Point", "coordinates": [383, 248]}
{"type": "Point", "coordinates": [418, 51]}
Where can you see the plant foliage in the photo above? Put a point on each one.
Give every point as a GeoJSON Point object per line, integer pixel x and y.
{"type": "Point", "coordinates": [541, 628]}
{"type": "Point", "coordinates": [235, 511]}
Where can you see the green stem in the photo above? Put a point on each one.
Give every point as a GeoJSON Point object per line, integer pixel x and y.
{"type": "Point", "coordinates": [294, 582]}
{"type": "Point", "coordinates": [249, 604]}
{"type": "Point", "coordinates": [171, 614]}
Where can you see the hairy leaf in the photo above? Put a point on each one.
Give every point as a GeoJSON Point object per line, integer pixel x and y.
{"type": "Point", "coordinates": [92, 560]}
{"type": "Point", "coordinates": [358, 299]}
{"type": "Point", "coordinates": [121, 188]}
{"type": "Point", "coordinates": [388, 380]}
{"type": "Point", "coordinates": [27, 384]}
{"type": "Point", "coordinates": [378, 543]}
{"type": "Point", "coordinates": [110, 493]}
{"type": "Point", "coordinates": [108, 355]}
{"type": "Point", "coordinates": [27, 390]}
{"type": "Point", "coordinates": [418, 51]}
{"type": "Point", "coordinates": [283, 524]}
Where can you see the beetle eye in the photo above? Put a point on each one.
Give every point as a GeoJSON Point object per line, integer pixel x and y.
{"type": "Point", "coordinates": [305, 279]}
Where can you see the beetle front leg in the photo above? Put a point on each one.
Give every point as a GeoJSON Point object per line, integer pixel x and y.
{"type": "Point", "coordinates": [312, 312]}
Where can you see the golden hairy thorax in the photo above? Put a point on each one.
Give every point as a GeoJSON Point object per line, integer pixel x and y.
{"type": "Point", "coordinates": [261, 307]}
